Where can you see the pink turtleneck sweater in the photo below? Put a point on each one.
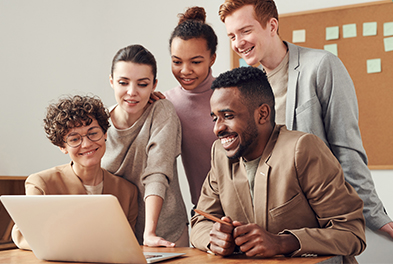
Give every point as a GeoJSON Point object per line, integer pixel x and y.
{"type": "Point", "coordinates": [193, 109]}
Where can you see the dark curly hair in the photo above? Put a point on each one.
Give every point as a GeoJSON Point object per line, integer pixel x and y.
{"type": "Point", "coordinates": [73, 111]}
{"type": "Point", "coordinates": [253, 86]}
{"type": "Point", "coordinates": [192, 25]}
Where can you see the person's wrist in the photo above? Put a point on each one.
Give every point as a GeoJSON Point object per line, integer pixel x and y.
{"type": "Point", "coordinates": [149, 234]}
{"type": "Point", "coordinates": [288, 244]}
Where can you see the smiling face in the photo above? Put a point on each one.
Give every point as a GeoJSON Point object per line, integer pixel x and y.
{"type": "Point", "coordinates": [234, 125]}
{"type": "Point", "coordinates": [191, 61]}
{"type": "Point", "coordinates": [248, 38]}
{"type": "Point", "coordinates": [89, 153]}
{"type": "Point", "coordinates": [133, 84]}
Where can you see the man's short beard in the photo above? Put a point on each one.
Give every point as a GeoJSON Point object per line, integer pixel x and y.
{"type": "Point", "coordinates": [249, 136]}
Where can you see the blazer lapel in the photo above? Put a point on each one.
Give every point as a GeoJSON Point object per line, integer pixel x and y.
{"type": "Point", "coordinates": [293, 75]}
{"type": "Point", "coordinates": [255, 213]}
{"type": "Point", "coordinates": [74, 184]}
{"type": "Point", "coordinates": [260, 194]}
{"type": "Point", "coordinates": [262, 181]}
{"type": "Point", "coordinates": [242, 189]}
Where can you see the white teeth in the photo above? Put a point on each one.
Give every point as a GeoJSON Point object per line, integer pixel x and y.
{"type": "Point", "coordinates": [227, 140]}
{"type": "Point", "coordinates": [247, 50]}
{"type": "Point", "coordinates": [187, 80]}
{"type": "Point", "coordinates": [132, 102]}
{"type": "Point", "coordinates": [88, 153]}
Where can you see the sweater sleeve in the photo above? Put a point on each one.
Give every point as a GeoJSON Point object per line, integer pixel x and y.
{"type": "Point", "coordinates": [162, 149]}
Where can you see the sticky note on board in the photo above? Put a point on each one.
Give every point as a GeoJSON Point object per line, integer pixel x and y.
{"type": "Point", "coordinates": [370, 29]}
{"type": "Point", "coordinates": [332, 33]}
{"type": "Point", "coordinates": [388, 43]}
{"type": "Point", "coordinates": [388, 29]}
{"type": "Point", "coordinates": [331, 48]}
{"type": "Point", "coordinates": [349, 31]}
{"type": "Point", "coordinates": [299, 36]}
{"type": "Point", "coordinates": [373, 65]}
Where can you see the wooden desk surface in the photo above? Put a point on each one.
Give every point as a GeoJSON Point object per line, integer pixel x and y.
{"type": "Point", "coordinates": [192, 255]}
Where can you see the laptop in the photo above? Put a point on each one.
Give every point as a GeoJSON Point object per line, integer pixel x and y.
{"type": "Point", "coordinates": [79, 228]}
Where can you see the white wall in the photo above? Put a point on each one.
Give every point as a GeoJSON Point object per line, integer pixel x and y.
{"type": "Point", "coordinates": [50, 48]}
{"type": "Point", "coordinates": [53, 47]}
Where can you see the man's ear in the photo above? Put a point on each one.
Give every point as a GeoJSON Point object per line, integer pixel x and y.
{"type": "Point", "coordinates": [263, 114]}
{"type": "Point", "coordinates": [273, 26]}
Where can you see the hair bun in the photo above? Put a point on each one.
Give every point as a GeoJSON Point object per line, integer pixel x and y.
{"type": "Point", "coordinates": [193, 13]}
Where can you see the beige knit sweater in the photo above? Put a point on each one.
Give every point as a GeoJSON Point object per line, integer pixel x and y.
{"type": "Point", "coordinates": [145, 154]}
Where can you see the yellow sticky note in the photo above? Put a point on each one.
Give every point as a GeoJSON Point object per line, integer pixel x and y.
{"type": "Point", "coordinates": [388, 29]}
{"type": "Point", "coordinates": [388, 43]}
{"type": "Point", "coordinates": [332, 33]}
{"type": "Point", "coordinates": [370, 29]}
{"type": "Point", "coordinates": [331, 48]}
{"type": "Point", "coordinates": [299, 36]}
{"type": "Point", "coordinates": [374, 66]}
{"type": "Point", "coordinates": [349, 31]}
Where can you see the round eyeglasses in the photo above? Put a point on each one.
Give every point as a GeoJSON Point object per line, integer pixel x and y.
{"type": "Point", "coordinates": [75, 139]}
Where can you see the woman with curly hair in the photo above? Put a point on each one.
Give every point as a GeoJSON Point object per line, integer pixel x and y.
{"type": "Point", "coordinates": [78, 126]}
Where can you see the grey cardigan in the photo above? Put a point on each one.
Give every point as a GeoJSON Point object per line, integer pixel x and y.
{"type": "Point", "coordinates": [321, 100]}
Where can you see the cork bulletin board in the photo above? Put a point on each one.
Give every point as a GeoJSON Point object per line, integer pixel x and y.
{"type": "Point", "coordinates": [361, 36]}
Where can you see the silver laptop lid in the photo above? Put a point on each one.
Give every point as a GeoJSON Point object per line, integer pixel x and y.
{"type": "Point", "coordinates": [82, 228]}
